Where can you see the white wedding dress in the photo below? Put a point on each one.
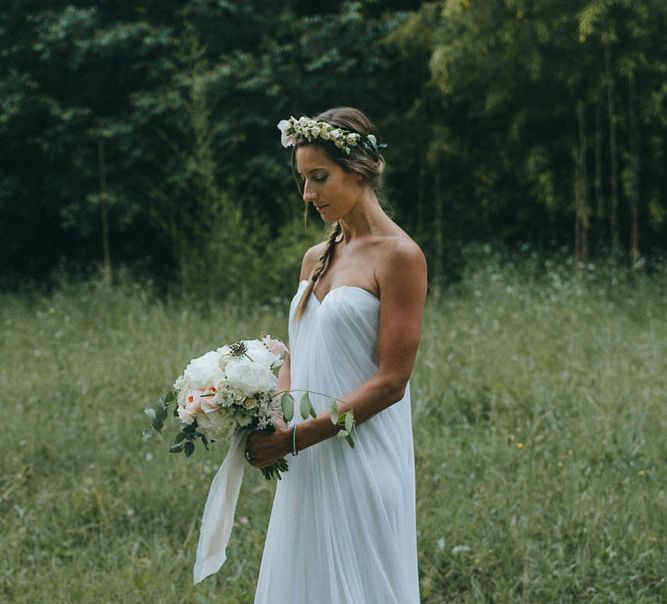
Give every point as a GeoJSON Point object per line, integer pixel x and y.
{"type": "Point", "coordinates": [342, 528]}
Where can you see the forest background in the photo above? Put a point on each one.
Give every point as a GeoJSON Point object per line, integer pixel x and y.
{"type": "Point", "coordinates": [142, 135]}
{"type": "Point", "coordinates": [148, 213]}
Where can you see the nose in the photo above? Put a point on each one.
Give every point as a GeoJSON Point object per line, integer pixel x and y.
{"type": "Point", "coordinates": [308, 193]}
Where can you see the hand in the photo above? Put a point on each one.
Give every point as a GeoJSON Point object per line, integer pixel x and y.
{"type": "Point", "coordinates": [265, 447]}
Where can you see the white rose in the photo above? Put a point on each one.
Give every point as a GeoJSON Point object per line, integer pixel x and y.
{"type": "Point", "coordinates": [250, 378]}
{"type": "Point", "coordinates": [203, 371]}
{"type": "Point", "coordinates": [324, 134]}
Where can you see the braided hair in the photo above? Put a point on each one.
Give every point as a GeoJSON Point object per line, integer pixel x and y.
{"type": "Point", "coordinates": [320, 268]}
{"type": "Point", "coordinates": [363, 159]}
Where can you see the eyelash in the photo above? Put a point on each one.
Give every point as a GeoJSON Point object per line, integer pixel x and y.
{"type": "Point", "coordinates": [318, 178]}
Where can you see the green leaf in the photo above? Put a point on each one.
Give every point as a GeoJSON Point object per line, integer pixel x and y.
{"type": "Point", "coordinates": [350, 440]}
{"type": "Point", "coordinates": [287, 404]}
{"type": "Point", "coordinates": [305, 406]}
{"type": "Point", "coordinates": [180, 437]}
{"type": "Point", "coordinates": [349, 421]}
{"type": "Point", "coordinates": [189, 448]}
{"type": "Point", "coordinates": [334, 412]}
{"type": "Point", "coordinates": [342, 434]}
{"type": "Point", "coordinates": [170, 397]}
{"type": "Point", "coordinates": [157, 425]}
{"type": "Point", "coordinates": [176, 448]}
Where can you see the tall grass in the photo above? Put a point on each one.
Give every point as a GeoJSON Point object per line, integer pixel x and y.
{"type": "Point", "coordinates": [540, 421]}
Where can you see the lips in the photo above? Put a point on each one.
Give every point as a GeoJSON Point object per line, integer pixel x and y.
{"type": "Point", "coordinates": [320, 208]}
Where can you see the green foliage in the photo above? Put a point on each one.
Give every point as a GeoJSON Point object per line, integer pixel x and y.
{"type": "Point", "coordinates": [148, 128]}
{"type": "Point", "coordinates": [538, 412]}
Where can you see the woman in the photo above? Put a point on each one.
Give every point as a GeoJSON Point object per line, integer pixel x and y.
{"type": "Point", "coordinates": [342, 528]}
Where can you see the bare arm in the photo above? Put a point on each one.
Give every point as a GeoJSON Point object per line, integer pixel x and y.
{"type": "Point", "coordinates": [402, 281]}
{"type": "Point", "coordinates": [284, 375]}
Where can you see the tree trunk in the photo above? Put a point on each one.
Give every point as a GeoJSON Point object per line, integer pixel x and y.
{"type": "Point", "coordinates": [581, 188]}
{"type": "Point", "coordinates": [634, 159]}
{"type": "Point", "coordinates": [421, 182]}
{"type": "Point", "coordinates": [613, 160]}
{"type": "Point", "coordinates": [439, 234]}
{"type": "Point", "coordinates": [599, 199]}
{"type": "Point", "coordinates": [104, 210]}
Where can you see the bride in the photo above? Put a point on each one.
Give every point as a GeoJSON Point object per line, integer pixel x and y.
{"type": "Point", "coordinates": [342, 528]}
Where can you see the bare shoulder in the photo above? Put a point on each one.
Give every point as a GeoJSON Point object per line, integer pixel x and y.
{"type": "Point", "coordinates": [402, 264]}
{"type": "Point", "coordinates": [401, 253]}
{"type": "Point", "coordinates": [310, 259]}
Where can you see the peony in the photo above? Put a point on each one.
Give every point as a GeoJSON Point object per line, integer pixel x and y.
{"type": "Point", "coordinates": [250, 378]}
{"type": "Point", "coordinates": [224, 355]}
{"type": "Point", "coordinates": [259, 353]}
{"type": "Point", "coordinates": [203, 371]}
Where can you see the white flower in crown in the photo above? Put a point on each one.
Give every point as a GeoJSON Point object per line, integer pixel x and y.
{"type": "Point", "coordinates": [294, 130]}
{"type": "Point", "coordinates": [287, 139]}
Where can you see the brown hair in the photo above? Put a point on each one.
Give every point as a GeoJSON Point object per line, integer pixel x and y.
{"type": "Point", "coordinates": [364, 158]}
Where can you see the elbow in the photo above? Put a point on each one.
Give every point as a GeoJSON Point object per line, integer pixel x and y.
{"type": "Point", "coordinates": [395, 390]}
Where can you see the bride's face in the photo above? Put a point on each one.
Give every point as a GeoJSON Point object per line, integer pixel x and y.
{"type": "Point", "coordinates": [331, 189]}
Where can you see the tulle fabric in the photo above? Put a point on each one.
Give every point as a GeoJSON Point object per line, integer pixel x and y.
{"type": "Point", "coordinates": [342, 528]}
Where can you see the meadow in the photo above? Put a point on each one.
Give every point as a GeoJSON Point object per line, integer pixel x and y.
{"type": "Point", "coordinates": [540, 424]}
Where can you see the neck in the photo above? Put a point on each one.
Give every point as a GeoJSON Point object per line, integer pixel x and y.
{"type": "Point", "coordinates": [366, 217]}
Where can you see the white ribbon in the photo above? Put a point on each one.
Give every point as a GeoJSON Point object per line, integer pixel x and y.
{"type": "Point", "coordinates": [218, 518]}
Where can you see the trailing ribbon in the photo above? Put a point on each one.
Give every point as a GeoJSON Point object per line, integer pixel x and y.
{"type": "Point", "coordinates": [218, 518]}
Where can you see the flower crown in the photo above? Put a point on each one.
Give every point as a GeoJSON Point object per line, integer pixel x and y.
{"type": "Point", "coordinates": [293, 131]}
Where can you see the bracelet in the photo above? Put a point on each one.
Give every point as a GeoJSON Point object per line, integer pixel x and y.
{"type": "Point", "coordinates": [294, 450]}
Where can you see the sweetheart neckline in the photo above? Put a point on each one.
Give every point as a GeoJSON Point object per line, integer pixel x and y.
{"type": "Point", "coordinates": [356, 287]}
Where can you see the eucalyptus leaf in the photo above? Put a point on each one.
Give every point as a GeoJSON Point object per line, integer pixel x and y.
{"type": "Point", "coordinates": [305, 406]}
{"type": "Point", "coordinates": [341, 434]}
{"type": "Point", "coordinates": [349, 421]}
{"type": "Point", "coordinates": [334, 412]}
{"type": "Point", "coordinates": [287, 404]}
{"type": "Point", "coordinates": [176, 448]}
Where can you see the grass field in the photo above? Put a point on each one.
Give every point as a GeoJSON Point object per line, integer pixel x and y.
{"type": "Point", "coordinates": [540, 422]}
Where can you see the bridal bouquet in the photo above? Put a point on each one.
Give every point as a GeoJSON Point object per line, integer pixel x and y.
{"type": "Point", "coordinates": [233, 389]}
{"type": "Point", "coordinates": [223, 395]}
{"type": "Point", "coordinates": [223, 391]}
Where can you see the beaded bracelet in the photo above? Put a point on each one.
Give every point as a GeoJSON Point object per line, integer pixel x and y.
{"type": "Point", "coordinates": [294, 450]}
